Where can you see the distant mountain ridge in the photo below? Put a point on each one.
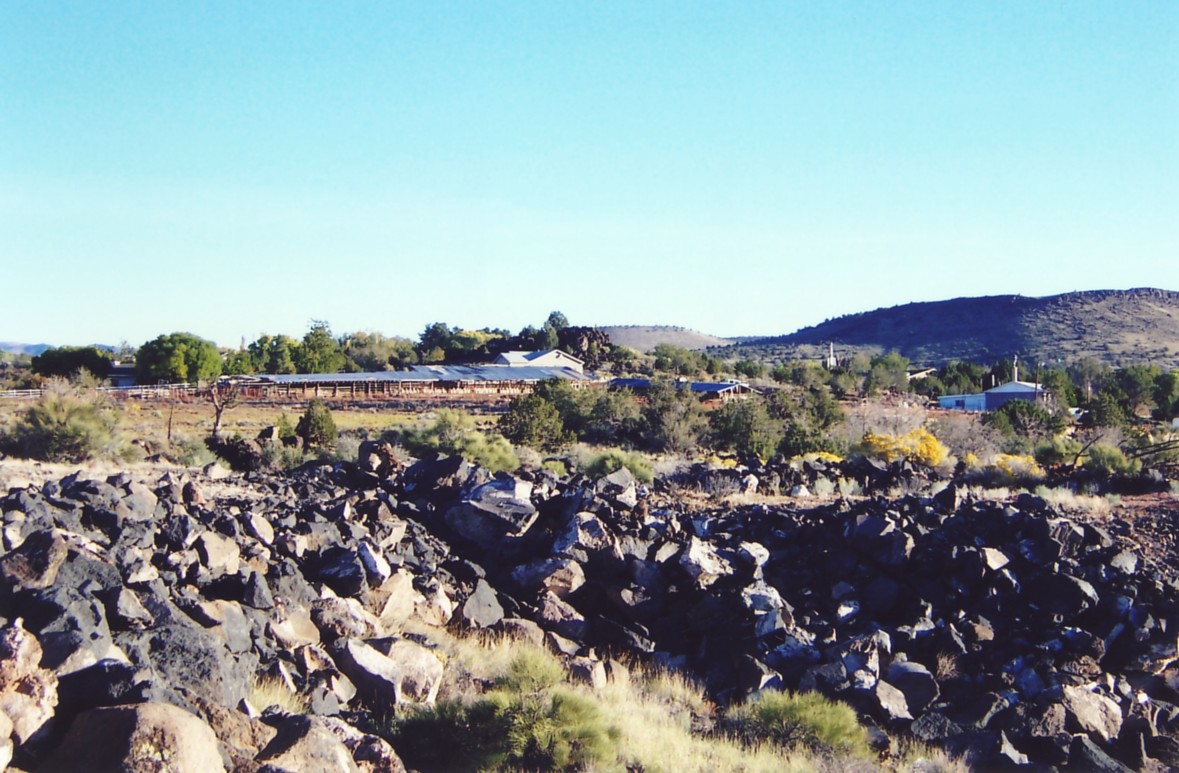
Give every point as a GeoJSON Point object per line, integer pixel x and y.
{"type": "Point", "coordinates": [644, 338]}
{"type": "Point", "coordinates": [17, 348]}
{"type": "Point", "coordinates": [1118, 327]}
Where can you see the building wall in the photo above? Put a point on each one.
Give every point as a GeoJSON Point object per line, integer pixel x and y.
{"type": "Point", "coordinates": [963, 402]}
{"type": "Point", "coordinates": [996, 400]}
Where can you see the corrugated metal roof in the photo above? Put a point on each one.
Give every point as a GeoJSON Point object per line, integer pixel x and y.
{"type": "Point", "coordinates": [630, 383]}
{"type": "Point", "coordinates": [707, 387]}
{"type": "Point", "coordinates": [431, 373]}
{"type": "Point", "coordinates": [717, 386]}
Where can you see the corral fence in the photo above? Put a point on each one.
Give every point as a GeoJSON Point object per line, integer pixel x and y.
{"type": "Point", "coordinates": [159, 392]}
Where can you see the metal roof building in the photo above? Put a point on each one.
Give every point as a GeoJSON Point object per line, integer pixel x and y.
{"type": "Point", "coordinates": [995, 398]}
{"type": "Point", "coordinates": [704, 389]}
{"type": "Point", "coordinates": [418, 373]}
{"type": "Point", "coordinates": [554, 358]}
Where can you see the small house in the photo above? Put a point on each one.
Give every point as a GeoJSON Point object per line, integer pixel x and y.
{"type": "Point", "coordinates": [707, 391]}
{"type": "Point", "coordinates": [995, 398]}
{"type": "Point", "coordinates": [122, 375]}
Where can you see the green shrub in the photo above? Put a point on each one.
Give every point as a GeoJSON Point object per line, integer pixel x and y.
{"type": "Point", "coordinates": [792, 720]}
{"type": "Point", "coordinates": [1110, 460]}
{"type": "Point", "coordinates": [316, 426]}
{"type": "Point", "coordinates": [746, 426]}
{"type": "Point", "coordinates": [285, 429]}
{"type": "Point", "coordinates": [527, 721]}
{"type": "Point", "coordinates": [556, 466]}
{"type": "Point", "coordinates": [533, 421]}
{"type": "Point", "coordinates": [1059, 450]}
{"type": "Point", "coordinates": [68, 423]}
{"type": "Point", "coordinates": [491, 451]}
{"type": "Point", "coordinates": [280, 456]}
{"type": "Point", "coordinates": [453, 432]}
{"type": "Point", "coordinates": [615, 459]}
{"type": "Point", "coordinates": [532, 670]}
{"type": "Point", "coordinates": [191, 453]}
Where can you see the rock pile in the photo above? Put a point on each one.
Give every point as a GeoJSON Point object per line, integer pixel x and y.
{"type": "Point", "coordinates": [139, 617]}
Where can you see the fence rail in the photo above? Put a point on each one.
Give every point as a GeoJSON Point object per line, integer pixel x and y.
{"type": "Point", "coordinates": [128, 392]}
{"type": "Point", "coordinates": [19, 394]}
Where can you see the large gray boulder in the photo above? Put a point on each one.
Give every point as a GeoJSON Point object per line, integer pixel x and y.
{"type": "Point", "coordinates": [482, 609]}
{"type": "Point", "coordinates": [703, 564]}
{"type": "Point", "coordinates": [401, 672]}
{"type": "Point", "coordinates": [562, 576]}
{"type": "Point", "coordinates": [916, 682]}
{"type": "Point", "coordinates": [498, 509]}
{"type": "Point", "coordinates": [1093, 712]}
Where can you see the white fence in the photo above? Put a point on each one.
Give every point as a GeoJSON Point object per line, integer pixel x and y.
{"type": "Point", "coordinates": [158, 392]}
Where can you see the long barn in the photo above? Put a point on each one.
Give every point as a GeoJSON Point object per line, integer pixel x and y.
{"type": "Point", "coordinates": [418, 380]}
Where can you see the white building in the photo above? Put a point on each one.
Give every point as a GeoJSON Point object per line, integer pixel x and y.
{"type": "Point", "coordinates": [553, 358]}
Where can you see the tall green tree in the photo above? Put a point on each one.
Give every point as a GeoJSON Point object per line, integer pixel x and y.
{"type": "Point", "coordinates": [887, 373]}
{"type": "Point", "coordinates": [66, 361]}
{"type": "Point", "coordinates": [1166, 395]}
{"type": "Point", "coordinates": [557, 321]}
{"type": "Point", "coordinates": [435, 342]}
{"type": "Point", "coordinates": [806, 416]}
{"type": "Point", "coordinates": [746, 426]}
{"type": "Point", "coordinates": [319, 351]}
{"type": "Point", "coordinates": [1137, 383]}
{"type": "Point", "coordinates": [238, 363]}
{"type": "Point", "coordinates": [280, 355]}
{"type": "Point", "coordinates": [1105, 411]}
{"type": "Point", "coordinates": [673, 419]}
{"type": "Point", "coordinates": [370, 352]}
{"type": "Point", "coordinates": [273, 354]}
{"type": "Point", "coordinates": [177, 358]}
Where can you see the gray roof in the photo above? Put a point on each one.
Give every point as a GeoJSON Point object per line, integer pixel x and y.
{"type": "Point", "coordinates": [448, 373]}
{"type": "Point", "coordinates": [708, 387]}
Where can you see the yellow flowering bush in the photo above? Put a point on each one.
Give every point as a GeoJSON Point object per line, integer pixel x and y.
{"type": "Point", "coordinates": [818, 456]}
{"type": "Point", "coordinates": [1017, 466]}
{"type": "Point", "coordinates": [918, 446]}
{"type": "Point", "coordinates": [724, 462]}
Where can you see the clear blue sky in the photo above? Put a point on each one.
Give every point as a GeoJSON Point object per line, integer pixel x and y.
{"type": "Point", "coordinates": [234, 168]}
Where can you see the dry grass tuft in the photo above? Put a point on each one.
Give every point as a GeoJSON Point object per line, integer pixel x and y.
{"type": "Point", "coordinates": [266, 691]}
{"type": "Point", "coordinates": [919, 758]}
{"type": "Point", "coordinates": [946, 666]}
{"type": "Point", "coordinates": [1069, 501]}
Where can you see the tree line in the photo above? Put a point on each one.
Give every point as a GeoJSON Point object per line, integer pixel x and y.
{"type": "Point", "coordinates": [669, 418]}
{"type": "Point", "coordinates": [1106, 394]}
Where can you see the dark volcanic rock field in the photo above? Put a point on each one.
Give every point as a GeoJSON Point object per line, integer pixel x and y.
{"type": "Point", "coordinates": [137, 614]}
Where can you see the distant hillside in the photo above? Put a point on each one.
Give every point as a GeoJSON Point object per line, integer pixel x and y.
{"type": "Point", "coordinates": [1118, 327]}
{"type": "Point", "coordinates": [644, 338]}
{"type": "Point", "coordinates": [15, 348]}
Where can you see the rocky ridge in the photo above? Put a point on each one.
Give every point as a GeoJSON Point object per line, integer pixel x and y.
{"type": "Point", "coordinates": [1115, 327]}
{"type": "Point", "coordinates": [136, 613]}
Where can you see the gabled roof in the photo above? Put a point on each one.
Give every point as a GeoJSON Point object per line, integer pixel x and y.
{"type": "Point", "coordinates": [1016, 386]}
{"type": "Point", "coordinates": [524, 358]}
